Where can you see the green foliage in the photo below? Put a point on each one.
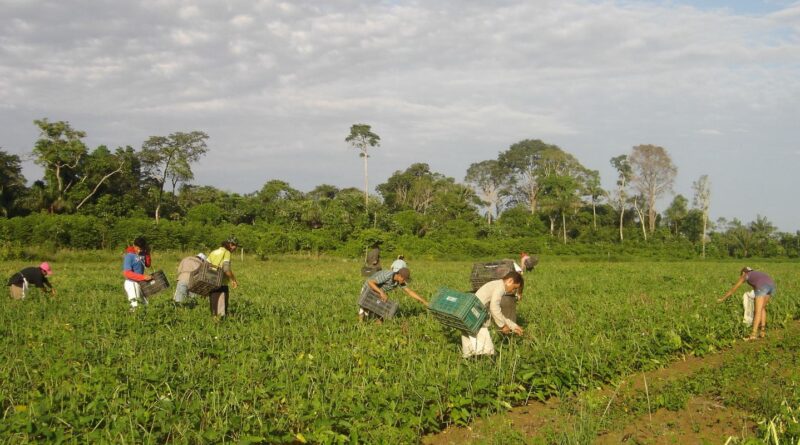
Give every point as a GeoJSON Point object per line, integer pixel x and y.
{"type": "Point", "coordinates": [290, 364]}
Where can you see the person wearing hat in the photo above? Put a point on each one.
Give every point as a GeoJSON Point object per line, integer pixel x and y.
{"type": "Point", "coordinates": [764, 287]}
{"type": "Point", "coordinates": [30, 276]}
{"type": "Point", "coordinates": [508, 304]}
{"type": "Point", "coordinates": [185, 269]}
{"type": "Point", "coordinates": [137, 257]}
{"type": "Point", "coordinates": [221, 259]}
{"type": "Point", "coordinates": [385, 280]}
{"type": "Point", "coordinates": [399, 263]}
{"type": "Point", "coordinates": [491, 295]}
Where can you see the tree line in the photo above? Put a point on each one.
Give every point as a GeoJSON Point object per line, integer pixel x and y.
{"type": "Point", "coordinates": [533, 195]}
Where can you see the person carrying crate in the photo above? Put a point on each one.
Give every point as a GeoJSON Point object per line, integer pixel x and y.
{"type": "Point", "coordinates": [137, 257]}
{"type": "Point", "coordinates": [221, 258]}
{"type": "Point", "coordinates": [386, 280]}
{"type": "Point", "coordinates": [185, 269]}
{"type": "Point", "coordinates": [508, 305]}
{"type": "Point", "coordinates": [491, 294]}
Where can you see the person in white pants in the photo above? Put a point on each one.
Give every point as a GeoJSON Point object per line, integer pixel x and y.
{"type": "Point", "coordinates": [491, 294]}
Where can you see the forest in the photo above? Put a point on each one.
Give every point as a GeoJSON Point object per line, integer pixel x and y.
{"type": "Point", "coordinates": [533, 196]}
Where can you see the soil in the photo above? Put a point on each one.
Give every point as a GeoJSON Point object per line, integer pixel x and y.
{"type": "Point", "coordinates": [702, 421]}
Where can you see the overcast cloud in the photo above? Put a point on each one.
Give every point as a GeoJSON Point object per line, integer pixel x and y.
{"type": "Point", "coordinates": [276, 85]}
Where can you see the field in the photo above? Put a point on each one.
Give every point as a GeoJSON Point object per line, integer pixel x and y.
{"type": "Point", "coordinates": [291, 363]}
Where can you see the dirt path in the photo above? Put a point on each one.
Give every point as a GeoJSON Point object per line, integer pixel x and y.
{"type": "Point", "coordinates": [701, 420]}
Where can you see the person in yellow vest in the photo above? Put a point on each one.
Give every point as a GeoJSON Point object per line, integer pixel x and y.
{"type": "Point", "coordinates": [221, 258]}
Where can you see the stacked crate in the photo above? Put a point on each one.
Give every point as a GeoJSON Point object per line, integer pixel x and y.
{"type": "Point", "coordinates": [459, 310]}
{"type": "Point", "coordinates": [155, 285]}
{"type": "Point", "coordinates": [372, 302]}
{"type": "Point", "coordinates": [205, 279]}
{"type": "Point", "coordinates": [483, 273]}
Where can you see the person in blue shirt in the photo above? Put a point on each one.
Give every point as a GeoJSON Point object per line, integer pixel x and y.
{"type": "Point", "coordinates": [137, 257]}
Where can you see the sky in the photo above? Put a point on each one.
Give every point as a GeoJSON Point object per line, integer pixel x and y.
{"type": "Point", "coordinates": [277, 85]}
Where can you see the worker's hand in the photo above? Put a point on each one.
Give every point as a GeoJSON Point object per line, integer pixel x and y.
{"type": "Point", "coordinates": [384, 297]}
{"type": "Point", "coordinates": [53, 291]}
{"type": "Point", "coordinates": [148, 278]}
{"type": "Point", "coordinates": [234, 284]}
{"type": "Point", "coordinates": [720, 300]}
{"type": "Point", "coordinates": [518, 330]}
{"type": "Point", "coordinates": [505, 329]}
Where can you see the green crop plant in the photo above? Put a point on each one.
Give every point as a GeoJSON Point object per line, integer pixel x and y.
{"type": "Point", "coordinates": [291, 364]}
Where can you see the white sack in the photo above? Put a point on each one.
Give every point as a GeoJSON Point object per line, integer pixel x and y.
{"type": "Point", "coordinates": [748, 302]}
{"type": "Point", "coordinates": [478, 345]}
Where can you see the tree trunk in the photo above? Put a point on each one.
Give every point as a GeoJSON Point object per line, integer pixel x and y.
{"type": "Point", "coordinates": [366, 185]}
{"type": "Point", "coordinates": [703, 239]}
{"type": "Point", "coordinates": [594, 214]}
{"type": "Point", "coordinates": [99, 184]}
{"type": "Point", "coordinates": [621, 218]}
{"type": "Point", "coordinates": [564, 226]}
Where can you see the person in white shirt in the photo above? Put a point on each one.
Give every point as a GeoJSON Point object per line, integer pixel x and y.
{"type": "Point", "coordinates": [491, 294]}
{"type": "Point", "coordinates": [399, 263]}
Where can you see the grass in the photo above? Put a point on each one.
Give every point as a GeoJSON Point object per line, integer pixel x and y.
{"type": "Point", "coordinates": [291, 364]}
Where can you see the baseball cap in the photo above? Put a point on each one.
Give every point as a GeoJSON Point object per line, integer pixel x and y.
{"type": "Point", "coordinates": [45, 266]}
{"type": "Point", "coordinates": [202, 256]}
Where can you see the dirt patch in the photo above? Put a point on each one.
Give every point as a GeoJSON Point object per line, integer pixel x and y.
{"type": "Point", "coordinates": [702, 421]}
{"type": "Point", "coordinates": [525, 419]}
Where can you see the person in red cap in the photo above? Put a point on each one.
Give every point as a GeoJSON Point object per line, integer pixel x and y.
{"type": "Point", "coordinates": [30, 276]}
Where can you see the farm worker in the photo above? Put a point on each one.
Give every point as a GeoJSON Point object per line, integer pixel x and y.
{"type": "Point", "coordinates": [221, 258]}
{"type": "Point", "coordinates": [185, 269]}
{"type": "Point", "coordinates": [37, 276]}
{"type": "Point", "coordinates": [764, 287]}
{"type": "Point", "coordinates": [490, 295]}
{"type": "Point", "coordinates": [399, 263]}
{"type": "Point", "coordinates": [137, 257]}
{"type": "Point", "coordinates": [374, 257]}
{"type": "Point", "coordinates": [508, 305]}
{"type": "Point", "coordinates": [385, 280]}
{"type": "Point", "coordinates": [527, 263]}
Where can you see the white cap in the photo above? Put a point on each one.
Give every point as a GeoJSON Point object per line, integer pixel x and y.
{"type": "Point", "coordinates": [202, 256]}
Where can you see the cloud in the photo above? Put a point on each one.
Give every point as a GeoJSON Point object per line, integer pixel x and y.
{"type": "Point", "coordinates": [445, 82]}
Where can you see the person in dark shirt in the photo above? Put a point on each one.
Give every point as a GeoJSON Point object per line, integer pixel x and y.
{"type": "Point", "coordinates": [30, 276]}
{"type": "Point", "coordinates": [764, 287]}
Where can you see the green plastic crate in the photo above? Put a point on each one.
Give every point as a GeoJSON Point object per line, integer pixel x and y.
{"type": "Point", "coordinates": [459, 310]}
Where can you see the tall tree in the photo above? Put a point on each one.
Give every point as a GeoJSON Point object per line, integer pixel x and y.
{"type": "Point", "coordinates": [653, 176]}
{"type": "Point", "coordinates": [638, 200]}
{"type": "Point", "coordinates": [12, 182]}
{"type": "Point", "coordinates": [73, 175]}
{"type": "Point", "coordinates": [98, 167]}
{"type": "Point", "coordinates": [560, 196]}
{"type": "Point", "coordinates": [169, 158]}
{"type": "Point", "coordinates": [702, 201]}
{"type": "Point", "coordinates": [489, 181]}
{"type": "Point", "coordinates": [60, 151]}
{"type": "Point", "coordinates": [362, 138]}
{"type": "Point", "coordinates": [593, 189]}
{"type": "Point", "coordinates": [677, 211]}
{"type": "Point", "coordinates": [624, 174]}
{"type": "Point", "coordinates": [530, 161]}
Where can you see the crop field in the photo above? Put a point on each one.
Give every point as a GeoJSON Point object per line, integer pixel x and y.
{"type": "Point", "coordinates": [291, 364]}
